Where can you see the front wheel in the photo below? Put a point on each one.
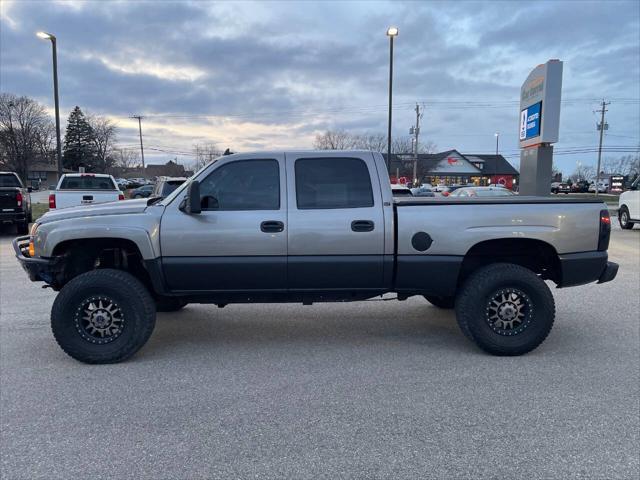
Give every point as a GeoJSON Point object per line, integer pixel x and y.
{"type": "Point", "coordinates": [103, 316]}
{"type": "Point", "coordinates": [505, 309]}
{"type": "Point", "coordinates": [624, 219]}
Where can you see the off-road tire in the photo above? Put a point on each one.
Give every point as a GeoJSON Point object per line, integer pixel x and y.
{"type": "Point", "coordinates": [490, 282]}
{"type": "Point", "coordinates": [121, 288]}
{"type": "Point", "coordinates": [441, 302]}
{"type": "Point", "coordinates": [169, 304]}
{"type": "Point", "coordinates": [623, 218]}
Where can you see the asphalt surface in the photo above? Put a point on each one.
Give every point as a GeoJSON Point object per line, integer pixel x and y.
{"type": "Point", "coordinates": [357, 390]}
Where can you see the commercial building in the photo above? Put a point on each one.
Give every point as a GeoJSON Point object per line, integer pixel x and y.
{"type": "Point", "coordinates": [452, 167]}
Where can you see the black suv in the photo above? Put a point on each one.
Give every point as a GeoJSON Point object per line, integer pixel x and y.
{"type": "Point", "coordinates": [15, 202]}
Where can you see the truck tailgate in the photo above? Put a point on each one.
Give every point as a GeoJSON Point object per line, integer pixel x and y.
{"type": "Point", "coordinates": [73, 198]}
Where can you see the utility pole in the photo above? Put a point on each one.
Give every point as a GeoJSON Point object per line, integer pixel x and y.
{"type": "Point", "coordinates": [140, 117]}
{"type": "Point", "coordinates": [602, 126]}
{"type": "Point", "coordinates": [416, 132]}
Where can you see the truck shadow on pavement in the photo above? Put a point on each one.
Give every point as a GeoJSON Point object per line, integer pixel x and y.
{"type": "Point", "coordinates": [292, 326]}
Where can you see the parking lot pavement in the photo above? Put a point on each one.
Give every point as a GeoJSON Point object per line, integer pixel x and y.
{"type": "Point", "coordinates": [369, 389]}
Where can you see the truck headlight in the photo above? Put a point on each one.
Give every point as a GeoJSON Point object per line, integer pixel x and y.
{"type": "Point", "coordinates": [32, 233]}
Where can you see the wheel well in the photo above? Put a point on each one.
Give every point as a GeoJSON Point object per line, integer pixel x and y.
{"type": "Point", "coordinates": [82, 255]}
{"type": "Point", "coordinates": [536, 255]}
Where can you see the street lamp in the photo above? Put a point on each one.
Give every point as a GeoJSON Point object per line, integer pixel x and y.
{"type": "Point", "coordinates": [497, 135]}
{"type": "Point", "coordinates": [391, 32]}
{"type": "Point", "coordinates": [49, 36]}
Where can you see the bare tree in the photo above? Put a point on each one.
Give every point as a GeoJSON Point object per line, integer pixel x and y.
{"type": "Point", "coordinates": [334, 140]}
{"type": "Point", "coordinates": [583, 172]}
{"type": "Point", "coordinates": [624, 165]}
{"type": "Point", "coordinates": [126, 158]}
{"type": "Point", "coordinates": [204, 153]}
{"type": "Point", "coordinates": [25, 133]}
{"type": "Point", "coordinates": [104, 139]}
{"type": "Point", "coordinates": [376, 142]}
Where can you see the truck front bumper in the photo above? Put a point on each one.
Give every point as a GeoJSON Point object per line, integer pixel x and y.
{"type": "Point", "coordinates": [586, 267]}
{"type": "Point", "coordinates": [38, 269]}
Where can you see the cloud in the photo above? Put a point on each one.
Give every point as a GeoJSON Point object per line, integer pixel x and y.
{"type": "Point", "coordinates": [272, 74]}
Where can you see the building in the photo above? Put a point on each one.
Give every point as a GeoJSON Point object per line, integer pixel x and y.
{"type": "Point", "coordinates": [43, 175]}
{"type": "Point", "coordinates": [452, 167]}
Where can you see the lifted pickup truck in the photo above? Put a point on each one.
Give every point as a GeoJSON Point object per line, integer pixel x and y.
{"type": "Point", "coordinates": [310, 227]}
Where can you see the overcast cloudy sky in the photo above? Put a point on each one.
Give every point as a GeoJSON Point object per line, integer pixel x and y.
{"type": "Point", "coordinates": [271, 75]}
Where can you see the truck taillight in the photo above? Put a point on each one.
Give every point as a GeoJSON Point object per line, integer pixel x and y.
{"type": "Point", "coordinates": [605, 230]}
{"type": "Point", "coordinates": [121, 196]}
{"type": "Point", "coordinates": [19, 199]}
{"type": "Point", "coordinates": [52, 201]}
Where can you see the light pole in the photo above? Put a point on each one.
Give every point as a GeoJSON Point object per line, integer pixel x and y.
{"type": "Point", "coordinates": [49, 36]}
{"type": "Point", "coordinates": [391, 32]}
{"type": "Point", "coordinates": [497, 135]}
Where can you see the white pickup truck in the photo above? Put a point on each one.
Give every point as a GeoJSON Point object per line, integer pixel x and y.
{"type": "Point", "coordinates": [76, 189]}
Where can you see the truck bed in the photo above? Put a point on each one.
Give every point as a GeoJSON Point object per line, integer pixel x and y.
{"type": "Point", "coordinates": [516, 199]}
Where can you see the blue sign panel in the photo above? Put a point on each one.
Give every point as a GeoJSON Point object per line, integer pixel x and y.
{"type": "Point", "coordinates": [530, 121]}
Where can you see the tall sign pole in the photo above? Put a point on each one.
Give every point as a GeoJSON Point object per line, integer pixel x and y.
{"type": "Point", "coordinates": [540, 98]}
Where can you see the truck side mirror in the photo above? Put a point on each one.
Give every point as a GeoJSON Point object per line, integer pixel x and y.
{"type": "Point", "coordinates": [29, 189]}
{"type": "Point", "coordinates": [191, 202]}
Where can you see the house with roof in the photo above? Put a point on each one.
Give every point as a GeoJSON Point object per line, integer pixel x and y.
{"type": "Point", "coordinates": [452, 167]}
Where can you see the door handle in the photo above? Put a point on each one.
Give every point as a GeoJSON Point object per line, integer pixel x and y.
{"type": "Point", "coordinates": [362, 226]}
{"type": "Point", "coordinates": [271, 226]}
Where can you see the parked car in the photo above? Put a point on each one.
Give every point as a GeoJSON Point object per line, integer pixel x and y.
{"type": "Point", "coordinates": [15, 202]}
{"type": "Point", "coordinates": [400, 190]}
{"type": "Point", "coordinates": [166, 185]}
{"type": "Point", "coordinates": [603, 186]}
{"type": "Point", "coordinates": [629, 206]}
{"type": "Point", "coordinates": [561, 188]}
{"type": "Point", "coordinates": [581, 186]}
{"type": "Point", "coordinates": [311, 226]}
{"type": "Point", "coordinates": [143, 191]}
{"type": "Point", "coordinates": [75, 189]}
{"type": "Point", "coordinates": [482, 192]}
{"type": "Point", "coordinates": [422, 192]}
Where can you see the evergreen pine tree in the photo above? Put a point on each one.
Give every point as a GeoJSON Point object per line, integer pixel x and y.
{"type": "Point", "coordinates": [79, 145]}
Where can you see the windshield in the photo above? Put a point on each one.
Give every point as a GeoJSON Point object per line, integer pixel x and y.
{"type": "Point", "coordinates": [168, 199]}
{"type": "Point", "coordinates": [170, 186]}
{"type": "Point", "coordinates": [9, 180]}
{"type": "Point", "coordinates": [87, 183]}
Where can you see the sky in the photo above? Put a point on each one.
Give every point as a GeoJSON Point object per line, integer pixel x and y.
{"type": "Point", "coordinates": [272, 75]}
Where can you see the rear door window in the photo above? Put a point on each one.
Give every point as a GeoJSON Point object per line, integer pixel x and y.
{"type": "Point", "coordinates": [335, 182]}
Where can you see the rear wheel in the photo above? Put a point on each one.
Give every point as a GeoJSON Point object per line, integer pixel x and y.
{"type": "Point", "coordinates": [441, 302]}
{"type": "Point", "coordinates": [103, 316]}
{"type": "Point", "coordinates": [505, 309]}
{"type": "Point", "coordinates": [624, 219]}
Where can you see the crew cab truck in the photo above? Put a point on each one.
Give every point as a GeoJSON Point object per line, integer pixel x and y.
{"type": "Point", "coordinates": [310, 227]}
{"type": "Point", "coordinates": [15, 202]}
{"type": "Point", "coordinates": [75, 189]}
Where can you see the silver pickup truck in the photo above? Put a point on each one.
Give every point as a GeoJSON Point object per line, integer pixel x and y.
{"type": "Point", "coordinates": [310, 227]}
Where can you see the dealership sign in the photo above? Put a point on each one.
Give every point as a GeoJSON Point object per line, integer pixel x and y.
{"type": "Point", "coordinates": [540, 105]}
{"type": "Point", "coordinates": [530, 121]}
